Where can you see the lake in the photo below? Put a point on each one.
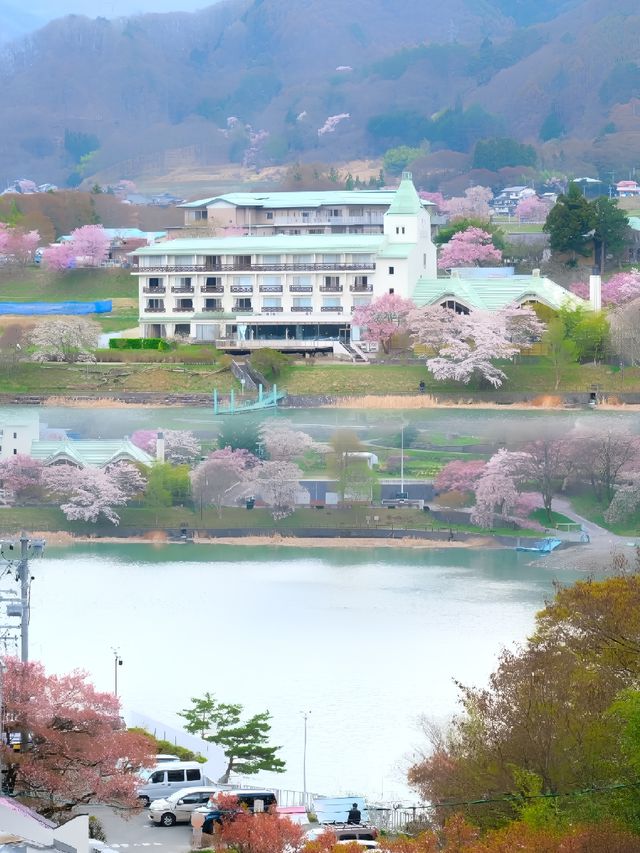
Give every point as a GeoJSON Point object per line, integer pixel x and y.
{"type": "Point", "coordinates": [367, 640]}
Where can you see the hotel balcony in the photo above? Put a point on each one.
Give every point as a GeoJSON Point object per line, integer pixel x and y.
{"type": "Point", "coordinates": [336, 309]}
{"type": "Point", "coordinates": [156, 310]}
{"type": "Point", "coordinates": [361, 288]}
{"type": "Point", "coordinates": [331, 288]}
{"type": "Point", "coordinates": [270, 288]}
{"type": "Point", "coordinates": [274, 309]}
{"type": "Point", "coordinates": [307, 309]}
{"type": "Point", "coordinates": [153, 290]}
{"type": "Point", "coordinates": [211, 288]}
{"type": "Point", "coordinates": [182, 288]}
{"type": "Point", "coordinates": [301, 288]}
{"type": "Point", "coordinates": [241, 288]}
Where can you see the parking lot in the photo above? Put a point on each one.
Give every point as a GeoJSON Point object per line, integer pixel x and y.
{"type": "Point", "coordinates": [137, 831]}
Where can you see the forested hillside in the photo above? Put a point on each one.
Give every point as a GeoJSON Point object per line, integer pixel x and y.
{"type": "Point", "coordinates": [275, 81]}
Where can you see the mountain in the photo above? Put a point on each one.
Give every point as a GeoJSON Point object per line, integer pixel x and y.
{"type": "Point", "coordinates": [257, 80]}
{"type": "Point", "coordinates": [15, 22]}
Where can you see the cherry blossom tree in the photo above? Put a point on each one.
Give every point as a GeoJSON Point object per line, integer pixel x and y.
{"type": "Point", "coordinates": [532, 209]}
{"type": "Point", "coordinates": [472, 247]}
{"type": "Point", "coordinates": [332, 122]}
{"type": "Point", "coordinates": [619, 289]}
{"type": "Point", "coordinates": [223, 477]}
{"type": "Point", "coordinates": [16, 245]}
{"type": "Point", "coordinates": [281, 441]}
{"type": "Point", "coordinates": [383, 318]}
{"type": "Point", "coordinates": [496, 491]}
{"type": "Point", "coordinates": [91, 243]}
{"type": "Point", "coordinates": [88, 493]}
{"type": "Point", "coordinates": [278, 484]}
{"type": "Point", "coordinates": [460, 476]}
{"type": "Point", "coordinates": [181, 447]}
{"type": "Point", "coordinates": [21, 477]}
{"type": "Point", "coordinates": [79, 753]}
{"type": "Point", "coordinates": [59, 257]}
{"type": "Point", "coordinates": [468, 344]}
{"type": "Point", "coordinates": [65, 339]}
{"type": "Point", "coordinates": [128, 478]}
{"type": "Point", "coordinates": [473, 205]}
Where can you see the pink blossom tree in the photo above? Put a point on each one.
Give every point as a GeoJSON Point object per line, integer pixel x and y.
{"type": "Point", "coordinates": [468, 344]}
{"type": "Point", "coordinates": [436, 198]}
{"type": "Point", "coordinates": [473, 205]}
{"type": "Point", "coordinates": [146, 440]}
{"type": "Point", "coordinates": [617, 290]}
{"type": "Point", "coordinates": [88, 493]}
{"type": "Point", "coordinates": [91, 242]}
{"type": "Point", "coordinates": [281, 441]}
{"type": "Point", "coordinates": [496, 491]}
{"type": "Point", "coordinates": [59, 257]}
{"type": "Point", "coordinates": [472, 247]}
{"type": "Point", "coordinates": [532, 209]}
{"type": "Point", "coordinates": [460, 475]}
{"type": "Point", "coordinates": [383, 318]}
{"type": "Point", "coordinates": [79, 753]}
{"type": "Point", "coordinates": [21, 477]}
{"type": "Point", "coordinates": [16, 245]}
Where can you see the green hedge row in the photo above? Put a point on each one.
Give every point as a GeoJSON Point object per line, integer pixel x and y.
{"type": "Point", "coordinates": [139, 343]}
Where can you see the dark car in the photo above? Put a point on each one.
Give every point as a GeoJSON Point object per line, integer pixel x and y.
{"type": "Point", "coordinates": [247, 801]}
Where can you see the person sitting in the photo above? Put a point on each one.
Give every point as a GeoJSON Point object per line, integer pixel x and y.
{"type": "Point", "coordinates": [354, 815]}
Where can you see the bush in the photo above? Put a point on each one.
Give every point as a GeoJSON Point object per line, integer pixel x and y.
{"type": "Point", "coordinates": [270, 362]}
{"type": "Point", "coordinates": [96, 829]}
{"type": "Point", "coordinates": [165, 747]}
{"type": "Point", "coordinates": [139, 343]}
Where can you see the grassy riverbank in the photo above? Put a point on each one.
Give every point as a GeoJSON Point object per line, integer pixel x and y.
{"type": "Point", "coordinates": [147, 520]}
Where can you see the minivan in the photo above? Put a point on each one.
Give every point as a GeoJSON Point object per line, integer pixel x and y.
{"type": "Point", "coordinates": [164, 780]}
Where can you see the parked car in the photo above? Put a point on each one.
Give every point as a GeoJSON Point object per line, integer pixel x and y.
{"type": "Point", "coordinates": [248, 800]}
{"type": "Point", "coordinates": [169, 777]}
{"type": "Point", "coordinates": [345, 831]}
{"type": "Point", "coordinates": [163, 757]}
{"type": "Point", "coordinates": [177, 808]}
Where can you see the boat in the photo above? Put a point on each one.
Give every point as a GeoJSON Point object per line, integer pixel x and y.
{"type": "Point", "coordinates": [542, 546]}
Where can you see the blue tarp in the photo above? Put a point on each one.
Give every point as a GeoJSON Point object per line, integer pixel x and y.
{"type": "Point", "coordinates": [102, 306]}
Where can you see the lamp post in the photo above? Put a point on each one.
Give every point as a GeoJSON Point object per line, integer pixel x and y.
{"type": "Point", "coordinates": [21, 605]}
{"type": "Point", "coordinates": [305, 716]}
{"type": "Point", "coordinates": [117, 661]}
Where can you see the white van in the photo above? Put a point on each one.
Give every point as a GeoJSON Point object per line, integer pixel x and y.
{"type": "Point", "coordinates": [165, 779]}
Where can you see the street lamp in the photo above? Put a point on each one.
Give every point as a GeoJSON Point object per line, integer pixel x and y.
{"type": "Point", "coordinates": [305, 715]}
{"type": "Point", "coordinates": [117, 661]}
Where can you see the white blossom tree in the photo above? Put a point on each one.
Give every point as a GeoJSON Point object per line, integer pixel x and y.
{"type": "Point", "coordinates": [87, 493]}
{"type": "Point", "coordinates": [278, 484]}
{"type": "Point", "coordinates": [496, 490]}
{"type": "Point", "coordinates": [181, 446]}
{"type": "Point", "coordinates": [65, 339]}
{"type": "Point", "coordinates": [468, 344]}
{"type": "Point", "coordinates": [128, 478]}
{"type": "Point", "coordinates": [281, 441]}
{"type": "Point", "coordinates": [222, 478]}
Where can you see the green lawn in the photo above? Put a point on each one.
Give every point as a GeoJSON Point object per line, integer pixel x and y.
{"type": "Point", "coordinates": [36, 283]}
{"type": "Point", "coordinates": [587, 505]}
{"type": "Point", "coordinates": [540, 515]}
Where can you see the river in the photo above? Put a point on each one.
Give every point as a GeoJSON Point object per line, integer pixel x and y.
{"type": "Point", "coordinates": [367, 640]}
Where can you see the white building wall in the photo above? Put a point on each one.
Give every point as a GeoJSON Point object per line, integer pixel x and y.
{"type": "Point", "coordinates": [17, 432]}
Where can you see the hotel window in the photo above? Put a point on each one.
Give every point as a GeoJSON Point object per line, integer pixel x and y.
{"type": "Point", "coordinates": [302, 302]}
{"type": "Point", "coordinates": [392, 270]}
{"type": "Point", "coordinates": [271, 302]}
{"type": "Point", "coordinates": [300, 260]}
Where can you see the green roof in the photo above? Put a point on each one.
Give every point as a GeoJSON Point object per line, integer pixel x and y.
{"type": "Point", "coordinates": [406, 201]}
{"type": "Point", "coordinates": [492, 294]}
{"type": "Point", "coordinates": [93, 454]}
{"type": "Point", "coordinates": [277, 244]}
{"type": "Point", "coordinates": [310, 199]}
{"type": "Point", "coordinates": [634, 222]}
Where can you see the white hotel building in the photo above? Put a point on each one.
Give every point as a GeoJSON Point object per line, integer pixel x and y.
{"type": "Point", "coordinates": [289, 291]}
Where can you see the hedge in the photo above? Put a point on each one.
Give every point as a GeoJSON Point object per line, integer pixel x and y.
{"type": "Point", "coordinates": [139, 343]}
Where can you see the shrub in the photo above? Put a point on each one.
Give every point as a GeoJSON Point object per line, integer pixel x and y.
{"type": "Point", "coordinates": [270, 362]}
{"type": "Point", "coordinates": [139, 343]}
{"type": "Point", "coordinates": [96, 829]}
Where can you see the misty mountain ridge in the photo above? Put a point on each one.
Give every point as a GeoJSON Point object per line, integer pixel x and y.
{"type": "Point", "coordinates": [184, 86]}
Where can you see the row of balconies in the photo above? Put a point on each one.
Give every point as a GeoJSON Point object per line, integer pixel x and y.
{"type": "Point", "coordinates": [251, 267]}
{"type": "Point", "coordinates": [243, 309]}
{"type": "Point", "coordinates": [263, 288]}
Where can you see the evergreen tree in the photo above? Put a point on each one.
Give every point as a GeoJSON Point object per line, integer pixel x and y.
{"type": "Point", "coordinates": [570, 223]}
{"type": "Point", "coordinates": [245, 744]}
{"type": "Point", "coordinates": [611, 229]}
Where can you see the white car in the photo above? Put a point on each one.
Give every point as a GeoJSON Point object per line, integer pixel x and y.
{"type": "Point", "coordinates": [361, 842]}
{"type": "Point", "coordinates": [177, 807]}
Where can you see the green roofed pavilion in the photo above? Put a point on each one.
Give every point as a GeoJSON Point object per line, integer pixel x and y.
{"type": "Point", "coordinates": [492, 294]}
{"type": "Point", "coordinates": [89, 454]}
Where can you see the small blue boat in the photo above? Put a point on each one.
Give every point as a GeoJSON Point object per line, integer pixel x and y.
{"type": "Point", "coordinates": [542, 546]}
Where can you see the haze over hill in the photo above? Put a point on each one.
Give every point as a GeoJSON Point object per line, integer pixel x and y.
{"type": "Point", "coordinates": [257, 80]}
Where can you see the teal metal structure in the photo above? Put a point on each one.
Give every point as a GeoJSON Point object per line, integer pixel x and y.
{"type": "Point", "coordinates": [234, 407]}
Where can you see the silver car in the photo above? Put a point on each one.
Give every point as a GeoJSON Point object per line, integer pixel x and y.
{"type": "Point", "coordinates": [177, 807]}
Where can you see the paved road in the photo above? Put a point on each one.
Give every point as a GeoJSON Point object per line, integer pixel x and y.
{"type": "Point", "coordinates": [137, 833]}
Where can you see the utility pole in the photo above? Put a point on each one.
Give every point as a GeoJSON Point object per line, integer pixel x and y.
{"type": "Point", "coordinates": [305, 715]}
{"type": "Point", "coordinates": [25, 597]}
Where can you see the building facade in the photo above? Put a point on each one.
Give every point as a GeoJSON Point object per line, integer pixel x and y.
{"type": "Point", "coordinates": [290, 291]}
{"type": "Point", "coordinates": [293, 213]}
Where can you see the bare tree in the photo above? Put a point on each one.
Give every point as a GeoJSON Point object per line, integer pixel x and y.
{"type": "Point", "coordinates": [66, 339]}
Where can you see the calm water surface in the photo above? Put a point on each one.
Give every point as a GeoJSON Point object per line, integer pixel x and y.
{"type": "Point", "coordinates": [366, 639]}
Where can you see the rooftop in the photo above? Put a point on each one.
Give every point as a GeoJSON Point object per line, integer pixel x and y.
{"type": "Point", "coordinates": [93, 454]}
{"type": "Point", "coordinates": [406, 201]}
{"type": "Point", "coordinates": [276, 244]}
{"type": "Point", "coordinates": [309, 198]}
{"type": "Point", "coordinates": [492, 294]}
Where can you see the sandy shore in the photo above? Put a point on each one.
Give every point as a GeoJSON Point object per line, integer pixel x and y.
{"type": "Point", "coordinates": [160, 537]}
